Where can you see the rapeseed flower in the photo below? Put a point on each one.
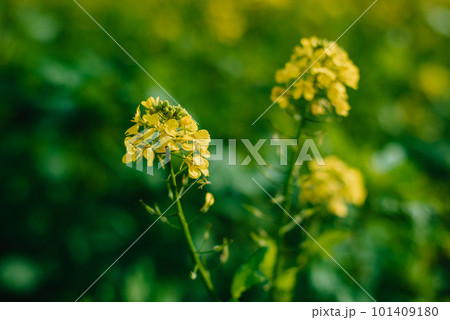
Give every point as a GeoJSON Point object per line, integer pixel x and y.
{"type": "Point", "coordinates": [160, 127]}
{"type": "Point", "coordinates": [333, 186]}
{"type": "Point", "coordinates": [326, 78]}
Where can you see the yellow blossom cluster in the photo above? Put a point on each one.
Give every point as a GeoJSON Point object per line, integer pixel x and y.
{"type": "Point", "coordinates": [324, 70]}
{"type": "Point", "coordinates": [333, 185]}
{"type": "Point", "coordinates": [161, 126]}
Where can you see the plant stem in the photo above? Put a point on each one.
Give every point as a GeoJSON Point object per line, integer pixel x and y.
{"type": "Point", "coordinates": [204, 274]}
{"type": "Point", "coordinates": [287, 192]}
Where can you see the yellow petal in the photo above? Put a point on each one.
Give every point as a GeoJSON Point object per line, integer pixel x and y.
{"type": "Point", "coordinates": [336, 92]}
{"type": "Point", "coordinates": [150, 156]}
{"type": "Point", "coordinates": [342, 108]}
{"type": "Point", "coordinates": [297, 91]}
{"type": "Point", "coordinates": [194, 173]}
{"type": "Point", "coordinates": [204, 163]}
{"type": "Point", "coordinates": [349, 74]}
{"type": "Point", "coordinates": [205, 172]}
{"type": "Point", "coordinates": [160, 149]}
{"type": "Point", "coordinates": [151, 120]}
{"type": "Point", "coordinates": [173, 146]}
{"type": "Point", "coordinates": [200, 162]}
{"type": "Point", "coordinates": [309, 91]}
{"type": "Point", "coordinates": [127, 158]}
{"type": "Point", "coordinates": [205, 153]}
{"type": "Point", "coordinates": [126, 142]}
{"type": "Point", "coordinates": [338, 207]}
{"type": "Point", "coordinates": [317, 109]}
{"type": "Point", "coordinates": [188, 123]}
{"type": "Point", "coordinates": [171, 126]}
{"type": "Point", "coordinates": [149, 103]}
{"type": "Point", "coordinates": [188, 146]}
{"type": "Point", "coordinates": [137, 116]}
{"type": "Point", "coordinates": [324, 76]}
{"type": "Point", "coordinates": [202, 137]}
{"type": "Point", "coordinates": [133, 130]}
{"type": "Point", "coordinates": [202, 134]}
{"type": "Point", "coordinates": [278, 96]}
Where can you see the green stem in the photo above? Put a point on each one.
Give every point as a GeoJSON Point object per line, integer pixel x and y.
{"type": "Point", "coordinates": [287, 192]}
{"type": "Point", "coordinates": [204, 274]}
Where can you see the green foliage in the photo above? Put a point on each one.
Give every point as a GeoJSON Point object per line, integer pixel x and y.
{"type": "Point", "coordinates": [249, 274]}
{"type": "Point", "coordinates": [258, 269]}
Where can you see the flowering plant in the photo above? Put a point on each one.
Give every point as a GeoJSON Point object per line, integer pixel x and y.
{"type": "Point", "coordinates": [311, 88]}
{"type": "Point", "coordinates": [320, 73]}
{"type": "Point", "coordinates": [164, 130]}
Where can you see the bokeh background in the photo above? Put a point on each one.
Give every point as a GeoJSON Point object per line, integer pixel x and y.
{"type": "Point", "coordinates": [69, 207]}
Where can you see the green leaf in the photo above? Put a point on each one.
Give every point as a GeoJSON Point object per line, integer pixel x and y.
{"type": "Point", "coordinates": [249, 274]}
{"type": "Point", "coordinates": [328, 240]}
{"type": "Point", "coordinates": [286, 283]}
{"type": "Point", "coordinates": [268, 262]}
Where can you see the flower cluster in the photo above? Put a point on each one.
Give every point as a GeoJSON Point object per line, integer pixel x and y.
{"type": "Point", "coordinates": [322, 82]}
{"type": "Point", "coordinates": [333, 185]}
{"type": "Point", "coordinates": [162, 127]}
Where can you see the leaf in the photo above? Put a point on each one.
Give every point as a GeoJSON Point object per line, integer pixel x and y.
{"type": "Point", "coordinates": [268, 263]}
{"type": "Point", "coordinates": [328, 240]}
{"type": "Point", "coordinates": [286, 283]}
{"type": "Point", "coordinates": [249, 274]}
{"type": "Point", "coordinates": [266, 266]}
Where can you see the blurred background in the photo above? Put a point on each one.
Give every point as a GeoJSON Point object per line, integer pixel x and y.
{"type": "Point", "coordinates": [69, 207]}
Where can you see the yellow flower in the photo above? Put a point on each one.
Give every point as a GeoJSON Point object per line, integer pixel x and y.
{"type": "Point", "coordinates": [333, 186]}
{"type": "Point", "coordinates": [277, 93]}
{"type": "Point", "coordinates": [209, 201]}
{"type": "Point", "coordinates": [325, 70]}
{"type": "Point", "coordinates": [324, 76]}
{"type": "Point", "coordinates": [188, 123]}
{"type": "Point", "coordinates": [151, 119]}
{"type": "Point", "coordinates": [203, 136]}
{"type": "Point", "coordinates": [290, 71]}
{"type": "Point", "coordinates": [337, 92]}
{"type": "Point", "coordinates": [170, 127]}
{"type": "Point", "coordinates": [197, 141]}
{"type": "Point", "coordinates": [197, 166]}
{"type": "Point", "coordinates": [150, 102]}
{"type": "Point", "coordinates": [167, 127]}
{"type": "Point", "coordinates": [305, 89]}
